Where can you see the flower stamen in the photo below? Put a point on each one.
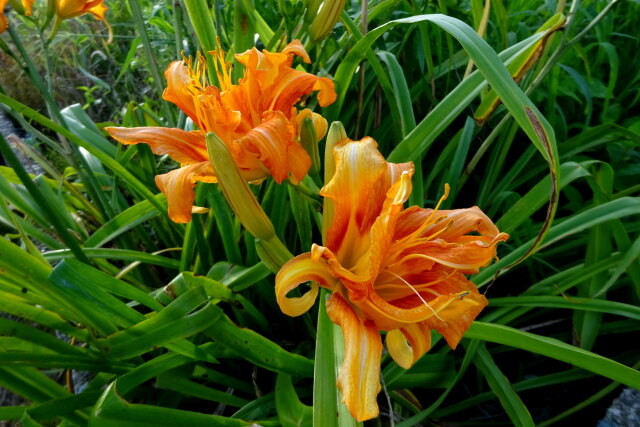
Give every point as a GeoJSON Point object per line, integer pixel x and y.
{"type": "Point", "coordinates": [418, 294]}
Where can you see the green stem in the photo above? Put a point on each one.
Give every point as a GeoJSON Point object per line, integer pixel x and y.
{"type": "Point", "coordinates": [151, 58]}
{"type": "Point", "coordinates": [54, 29]}
{"type": "Point", "coordinates": [202, 22]}
{"type": "Point", "coordinates": [177, 26]}
{"type": "Point", "coordinates": [325, 397]}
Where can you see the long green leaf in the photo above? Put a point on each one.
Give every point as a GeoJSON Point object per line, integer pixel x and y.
{"type": "Point", "coordinates": [291, 412]}
{"type": "Point", "coordinates": [502, 388]}
{"type": "Point", "coordinates": [618, 208]}
{"type": "Point", "coordinates": [555, 349]}
{"type": "Point", "coordinates": [108, 161]}
{"type": "Point", "coordinates": [178, 320]}
{"type": "Point", "coordinates": [596, 305]}
{"type": "Point", "coordinates": [113, 411]}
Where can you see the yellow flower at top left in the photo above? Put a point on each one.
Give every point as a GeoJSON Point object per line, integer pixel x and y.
{"type": "Point", "coordinates": [24, 7]}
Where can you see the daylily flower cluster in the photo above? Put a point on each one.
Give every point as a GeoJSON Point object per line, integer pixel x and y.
{"type": "Point", "coordinates": [255, 118]}
{"type": "Point", "coordinates": [389, 269]}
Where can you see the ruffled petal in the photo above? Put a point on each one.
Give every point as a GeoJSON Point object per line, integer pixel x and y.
{"type": "Point", "coordinates": [408, 344]}
{"type": "Point", "coordinates": [270, 143]}
{"type": "Point", "coordinates": [358, 190]}
{"type": "Point", "coordinates": [98, 11]}
{"type": "Point", "coordinates": [67, 9]}
{"type": "Point", "coordinates": [296, 271]}
{"type": "Point", "coordinates": [389, 315]}
{"type": "Point", "coordinates": [359, 376]}
{"type": "Point", "coordinates": [181, 88]}
{"type": "Point", "coordinates": [178, 185]}
{"type": "Point", "coordinates": [299, 162]}
{"type": "Point", "coordinates": [287, 89]}
{"type": "Point", "coordinates": [182, 146]}
{"type": "Point", "coordinates": [296, 48]}
{"type": "Point", "coordinates": [450, 224]}
{"type": "Point", "coordinates": [216, 116]}
{"type": "Point", "coordinates": [275, 85]}
{"type": "Point", "coordinates": [463, 305]}
{"type": "Point", "coordinates": [263, 70]}
{"type": "Point", "coordinates": [466, 253]}
{"type": "Point", "coordinates": [327, 92]}
{"type": "Point", "coordinates": [460, 305]}
{"type": "Point", "coordinates": [384, 226]}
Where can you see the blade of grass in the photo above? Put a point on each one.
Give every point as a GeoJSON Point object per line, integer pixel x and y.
{"type": "Point", "coordinates": [555, 349]}
{"type": "Point", "coordinates": [502, 388]}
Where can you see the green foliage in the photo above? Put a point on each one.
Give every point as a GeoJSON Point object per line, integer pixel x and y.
{"type": "Point", "coordinates": [178, 324]}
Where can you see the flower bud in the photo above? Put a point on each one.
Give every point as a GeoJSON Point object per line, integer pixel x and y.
{"type": "Point", "coordinates": [335, 135]}
{"type": "Point", "coordinates": [236, 190]}
{"type": "Point", "coordinates": [326, 18]}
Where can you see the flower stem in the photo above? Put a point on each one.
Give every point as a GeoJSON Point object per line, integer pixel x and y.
{"type": "Point", "coordinates": [151, 58]}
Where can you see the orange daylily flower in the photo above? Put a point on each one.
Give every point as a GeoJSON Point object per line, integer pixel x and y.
{"type": "Point", "coordinates": [24, 7]}
{"type": "Point", "coordinates": [390, 269]}
{"type": "Point", "coordinates": [67, 9]}
{"type": "Point", "coordinates": [256, 119]}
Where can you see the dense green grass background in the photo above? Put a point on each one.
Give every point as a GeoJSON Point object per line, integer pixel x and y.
{"type": "Point", "coordinates": [181, 321]}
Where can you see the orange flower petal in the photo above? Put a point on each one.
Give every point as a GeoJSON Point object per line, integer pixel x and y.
{"type": "Point", "coordinates": [274, 85]}
{"type": "Point", "coordinates": [181, 88]}
{"type": "Point", "coordinates": [457, 309]}
{"type": "Point", "coordinates": [359, 376]}
{"type": "Point", "coordinates": [291, 84]}
{"type": "Point", "coordinates": [296, 271]}
{"type": "Point", "coordinates": [215, 116]}
{"type": "Point", "coordinates": [296, 48]}
{"type": "Point", "coordinates": [383, 228]}
{"type": "Point", "coordinates": [271, 143]}
{"type": "Point", "coordinates": [182, 146]}
{"type": "Point", "coordinates": [178, 185]}
{"type": "Point", "coordinates": [358, 190]}
{"type": "Point", "coordinates": [327, 92]}
{"type": "Point", "coordinates": [264, 69]}
{"type": "Point", "coordinates": [457, 222]}
{"type": "Point", "coordinates": [358, 287]}
{"type": "Point", "coordinates": [28, 6]}
{"type": "Point", "coordinates": [67, 9]}
{"type": "Point", "coordinates": [467, 253]}
{"type": "Point", "coordinates": [408, 344]}
{"type": "Point", "coordinates": [392, 284]}
{"type": "Point", "coordinates": [448, 306]}
{"type": "Point", "coordinates": [299, 162]}
{"type": "Point", "coordinates": [391, 315]}
{"type": "Point", "coordinates": [4, 23]}
{"type": "Point", "coordinates": [98, 11]}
